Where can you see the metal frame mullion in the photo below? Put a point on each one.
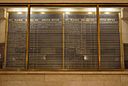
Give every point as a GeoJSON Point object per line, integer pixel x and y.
{"type": "Point", "coordinates": [98, 33]}
{"type": "Point", "coordinates": [121, 44]}
{"type": "Point", "coordinates": [27, 36]}
{"type": "Point", "coordinates": [6, 41]}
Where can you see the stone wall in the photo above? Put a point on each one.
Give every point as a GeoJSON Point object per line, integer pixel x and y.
{"type": "Point", "coordinates": [64, 79]}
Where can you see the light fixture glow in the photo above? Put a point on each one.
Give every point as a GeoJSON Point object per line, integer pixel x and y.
{"type": "Point", "coordinates": [90, 12]}
{"type": "Point", "coordinates": [17, 9]}
{"type": "Point", "coordinates": [67, 9]}
{"type": "Point", "coordinates": [39, 10]}
{"type": "Point", "coordinates": [67, 13]}
{"type": "Point", "coordinates": [42, 12]}
{"type": "Point", "coordinates": [85, 57]}
{"type": "Point", "coordinates": [90, 9]}
{"type": "Point", "coordinates": [19, 12]}
{"type": "Point", "coordinates": [31, 12]}
{"type": "Point", "coordinates": [106, 12]}
{"type": "Point", "coordinates": [110, 9]}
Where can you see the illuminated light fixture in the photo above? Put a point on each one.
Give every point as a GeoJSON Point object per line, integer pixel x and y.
{"type": "Point", "coordinates": [19, 12]}
{"type": "Point", "coordinates": [85, 57]}
{"type": "Point", "coordinates": [67, 13]}
{"type": "Point", "coordinates": [107, 13]}
{"type": "Point", "coordinates": [42, 12]}
{"type": "Point", "coordinates": [110, 9]}
{"type": "Point", "coordinates": [31, 12]}
{"type": "Point", "coordinates": [90, 13]}
{"type": "Point", "coordinates": [90, 9]}
{"type": "Point", "coordinates": [17, 9]}
{"type": "Point", "coordinates": [67, 9]}
{"type": "Point", "coordinates": [39, 10]}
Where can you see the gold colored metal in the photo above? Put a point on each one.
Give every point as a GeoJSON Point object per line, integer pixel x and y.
{"type": "Point", "coordinates": [121, 44]}
{"type": "Point", "coordinates": [27, 37]}
{"type": "Point", "coordinates": [98, 30]}
{"type": "Point", "coordinates": [113, 5]}
{"type": "Point", "coordinates": [6, 38]}
{"type": "Point", "coordinates": [63, 35]}
{"type": "Point", "coordinates": [50, 12]}
{"type": "Point", "coordinates": [63, 44]}
{"type": "Point", "coordinates": [63, 5]}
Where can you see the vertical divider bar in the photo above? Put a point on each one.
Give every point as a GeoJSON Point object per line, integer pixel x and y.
{"type": "Point", "coordinates": [6, 39]}
{"type": "Point", "coordinates": [63, 44]}
{"type": "Point", "coordinates": [27, 36]}
{"type": "Point", "coordinates": [121, 44]}
{"type": "Point", "coordinates": [98, 30]}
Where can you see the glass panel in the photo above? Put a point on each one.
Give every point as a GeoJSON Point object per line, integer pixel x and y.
{"type": "Point", "coordinates": [45, 39]}
{"type": "Point", "coordinates": [78, 27]}
{"type": "Point", "coordinates": [80, 33]}
{"type": "Point", "coordinates": [81, 39]}
{"type": "Point", "coordinates": [16, 44]}
{"type": "Point", "coordinates": [2, 34]}
{"type": "Point", "coordinates": [124, 19]}
{"type": "Point", "coordinates": [110, 38]}
{"type": "Point", "coordinates": [126, 55]}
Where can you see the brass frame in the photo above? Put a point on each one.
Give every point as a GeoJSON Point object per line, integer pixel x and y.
{"type": "Point", "coordinates": [121, 44]}
{"type": "Point", "coordinates": [63, 44]}
{"type": "Point", "coordinates": [27, 37]}
{"type": "Point", "coordinates": [6, 41]}
{"type": "Point", "coordinates": [98, 30]}
{"type": "Point", "coordinates": [28, 5]}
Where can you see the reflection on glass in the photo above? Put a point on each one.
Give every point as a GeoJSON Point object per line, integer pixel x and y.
{"type": "Point", "coordinates": [64, 37]}
{"type": "Point", "coordinates": [16, 43]}
{"type": "Point", "coordinates": [124, 17]}
{"type": "Point", "coordinates": [81, 39]}
{"type": "Point", "coordinates": [45, 39]}
{"type": "Point", "coordinates": [110, 37]}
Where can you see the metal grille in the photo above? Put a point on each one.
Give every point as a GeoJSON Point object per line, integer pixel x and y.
{"type": "Point", "coordinates": [110, 41]}
{"type": "Point", "coordinates": [126, 55]}
{"type": "Point", "coordinates": [80, 41]}
{"type": "Point", "coordinates": [16, 45]}
{"type": "Point", "coordinates": [1, 44]}
{"type": "Point", "coordinates": [45, 41]}
{"type": "Point", "coordinates": [1, 13]}
{"type": "Point", "coordinates": [1, 54]}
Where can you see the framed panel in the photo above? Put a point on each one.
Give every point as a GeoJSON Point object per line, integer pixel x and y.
{"type": "Point", "coordinates": [110, 39]}
{"type": "Point", "coordinates": [16, 39]}
{"type": "Point", "coordinates": [65, 37]}
{"type": "Point", "coordinates": [81, 44]}
{"type": "Point", "coordinates": [45, 50]}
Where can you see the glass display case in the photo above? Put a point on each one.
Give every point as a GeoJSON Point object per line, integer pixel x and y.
{"type": "Point", "coordinates": [63, 38]}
